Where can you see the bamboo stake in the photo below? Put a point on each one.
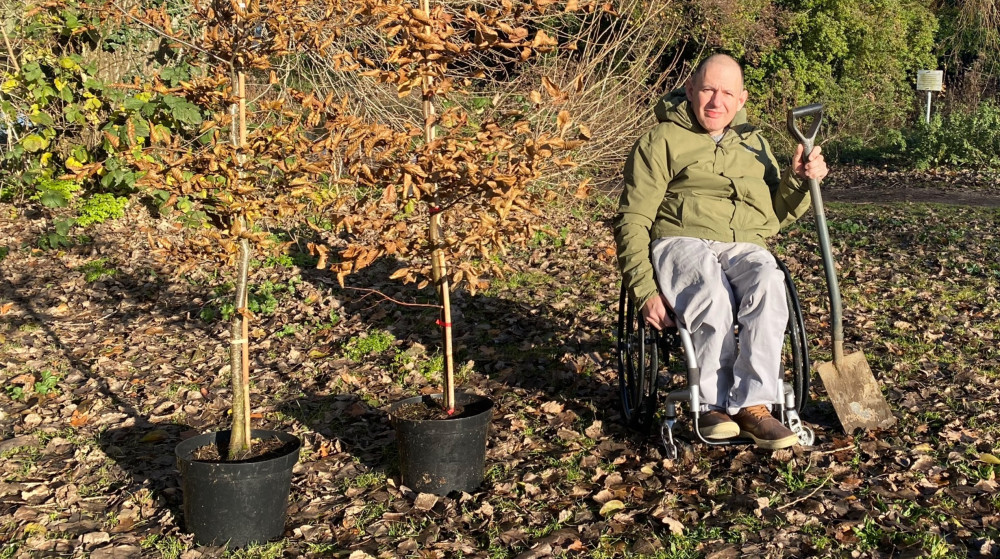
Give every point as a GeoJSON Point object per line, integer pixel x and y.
{"type": "Point", "coordinates": [245, 354]}
{"type": "Point", "coordinates": [438, 265]}
{"type": "Point", "coordinates": [245, 253]}
{"type": "Point", "coordinates": [240, 360]}
{"type": "Point", "coordinates": [441, 279]}
{"type": "Point", "coordinates": [241, 92]}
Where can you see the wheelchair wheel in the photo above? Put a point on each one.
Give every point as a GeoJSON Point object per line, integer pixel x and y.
{"type": "Point", "coordinates": [640, 349]}
{"type": "Point", "coordinates": [638, 363]}
{"type": "Point", "coordinates": [795, 356]}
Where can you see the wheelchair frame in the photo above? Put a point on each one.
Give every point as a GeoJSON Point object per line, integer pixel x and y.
{"type": "Point", "coordinates": [638, 373]}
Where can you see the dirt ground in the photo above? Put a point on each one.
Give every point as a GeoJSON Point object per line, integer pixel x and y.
{"type": "Point", "coordinates": [880, 185]}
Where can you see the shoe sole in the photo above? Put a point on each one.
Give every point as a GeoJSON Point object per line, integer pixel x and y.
{"type": "Point", "coordinates": [720, 431]}
{"type": "Point", "coordinates": [772, 444]}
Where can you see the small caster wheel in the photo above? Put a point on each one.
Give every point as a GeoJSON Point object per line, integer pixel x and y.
{"type": "Point", "coordinates": [806, 436]}
{"type": "Point", "coordinates": [670, 451]}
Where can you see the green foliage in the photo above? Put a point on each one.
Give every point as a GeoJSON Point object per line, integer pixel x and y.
{"type": "Point", "coordinates": [48, 103]}
{"type": "Point", "coordinates": [168, 547]}
{"type": "Point", "coordinates": [282, 260]}
{"type": "Point", "coordinates": [262, 299]}
{"type": "Point", "coordinates": [858, 57]}
{"type": "Point", "coordinates": [969, 45]}
{"type": "Point", "coordinates": [59, 235]}
{"type": "Point", "coordinates": [67, 130]}
{"type": "Point", "coordinates": [869, 534]}
{"type": "Point", "coordinates": [15, 392]}
{"type": "Point", "coordinates": [117, 176]}
{"type": "Point", "coordinates": [96, 270]}
{"type": "Point", "coordinates": [962, 138]}
{"type": "Point", "coordinates": [373, 342]}
{"type": "Point", "coordinates": [433, 367]}
{"type": "Point", "coordinates": [46, 384]}
{"type": "Point", "coordinates": [101, 207]}
{"type": "Point", "coordinates": [53, 193]}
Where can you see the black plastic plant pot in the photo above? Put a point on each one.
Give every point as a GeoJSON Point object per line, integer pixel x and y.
{"type": "Point", "coordinates": [443, 455]}
{"type": "Point", "coordinates": [240, 502]}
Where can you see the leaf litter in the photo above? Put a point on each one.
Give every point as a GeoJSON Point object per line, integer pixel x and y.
{"type": "Point", "coordinates": [104, 378]}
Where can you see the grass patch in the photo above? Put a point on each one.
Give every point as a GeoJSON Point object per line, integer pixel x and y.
{"type": "Point", "coordinates": [373, 342]}
{"type": "Point", "coordinates": [96, 270]}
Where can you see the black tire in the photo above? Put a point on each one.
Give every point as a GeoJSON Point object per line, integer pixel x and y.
{"type": "Point", "coordinates": [638, 362]}
{"type": "Point", "coordinates": [795, 357]}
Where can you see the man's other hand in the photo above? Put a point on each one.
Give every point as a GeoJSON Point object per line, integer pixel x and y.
{"type": "Point", "coordinates": [814, 169]}
{"type": "Point", "coordinates": [655, 312]}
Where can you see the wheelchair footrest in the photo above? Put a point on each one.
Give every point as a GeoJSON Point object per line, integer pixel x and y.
{"type": "Point", "coordinates": [789, 418]}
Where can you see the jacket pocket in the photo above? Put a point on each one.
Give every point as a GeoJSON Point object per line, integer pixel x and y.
{"type": "Point", "coordinates": [702, 212]}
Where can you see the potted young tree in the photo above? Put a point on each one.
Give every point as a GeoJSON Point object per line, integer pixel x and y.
{"type": "Point", "coordinates": [189, 137]}
{"type": "Point", "coordinates": [476, 173]}
{"type": "Point", "coordinates": [472, 174]}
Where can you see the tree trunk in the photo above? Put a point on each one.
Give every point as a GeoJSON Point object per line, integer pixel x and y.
{"type": "Point", "coordinates": [438, 267]}
{"type": "Point", "coordinates": [440, 274]}
{"type": "Point", "coordinates": [239, 362]}
{"type": "Point", "coordinates": [239, 350]}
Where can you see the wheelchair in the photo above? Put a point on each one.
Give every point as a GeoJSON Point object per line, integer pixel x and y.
{"type": "Point", "coordinates": [643, 351]}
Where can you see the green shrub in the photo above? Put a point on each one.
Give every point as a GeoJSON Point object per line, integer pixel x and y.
{"type": "Point", "coordinates": [54, 193]}
{"type": "Point", "coordinates": [857, 57]}
{"type": "Point", "coordinates": [101, 207]}
{"type": "Point", "coordinates": [374, 342]}
{"type": "Point", "coordinates": [962, 138]}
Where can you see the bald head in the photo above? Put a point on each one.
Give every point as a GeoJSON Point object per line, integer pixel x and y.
{"type": "Point", "coordinates": [724, 61]}
{"type": "Point", "coordinates": [715, 92]}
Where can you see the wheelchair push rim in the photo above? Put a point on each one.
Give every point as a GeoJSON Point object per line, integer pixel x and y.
{"type": "Point", "coordinates": [638, 363]}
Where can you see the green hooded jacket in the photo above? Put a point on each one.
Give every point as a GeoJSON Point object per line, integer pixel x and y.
{"type": "Point", "coordinates": [680, 183]}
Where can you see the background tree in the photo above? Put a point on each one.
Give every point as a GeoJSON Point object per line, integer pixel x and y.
{"type": "Point", "coordinates": [969, 47]}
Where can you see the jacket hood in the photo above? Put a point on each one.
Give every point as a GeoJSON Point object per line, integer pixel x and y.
{"type": "Point", "coordinates": [674, 107]}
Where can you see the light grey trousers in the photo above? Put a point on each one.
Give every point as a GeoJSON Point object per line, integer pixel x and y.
{"type": "Point", "coordinates": [712, 287]}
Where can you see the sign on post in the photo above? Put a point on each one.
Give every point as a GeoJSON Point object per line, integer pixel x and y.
{"type": "Point", "coordinates": [930, 80]}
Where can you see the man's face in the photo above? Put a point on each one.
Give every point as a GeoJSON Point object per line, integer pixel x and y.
{"type": "Point", "coordinates": [717, 95]}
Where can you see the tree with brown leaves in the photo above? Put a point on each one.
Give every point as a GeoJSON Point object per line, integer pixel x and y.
{"type": "Point", "coordinates": [295, 149]}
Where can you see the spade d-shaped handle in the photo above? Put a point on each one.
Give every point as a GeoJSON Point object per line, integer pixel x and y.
{"type": "Point", "coordinates": [816, 111]}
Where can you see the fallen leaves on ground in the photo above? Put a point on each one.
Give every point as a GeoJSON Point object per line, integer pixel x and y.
{"type": "Point", "coordinates": [88, 464]}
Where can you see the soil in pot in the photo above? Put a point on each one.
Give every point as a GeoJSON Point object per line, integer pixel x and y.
{"type": "Point", "coordinates": [260, 449]}
{"type": "Point", "coordinates": [430, 408]}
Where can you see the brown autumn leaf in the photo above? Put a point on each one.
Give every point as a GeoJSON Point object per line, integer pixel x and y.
{"type": "Point", "coordinates": [78, 419]}
{"type": "Point", "coordinates": [542, 41]}
{"type": "Point", "coordinates": [563, 120]}
{"type": "Point", "coordinates": [554, 92]}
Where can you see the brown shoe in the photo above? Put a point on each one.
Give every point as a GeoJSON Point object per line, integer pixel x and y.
{"type": "Point", "coordinates": [714, 424]}
{"type": "Point", "coordinates": [757, 423]}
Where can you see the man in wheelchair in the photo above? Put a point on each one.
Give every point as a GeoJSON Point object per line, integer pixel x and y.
{"type": "Point", "coordinates": [703, 194]}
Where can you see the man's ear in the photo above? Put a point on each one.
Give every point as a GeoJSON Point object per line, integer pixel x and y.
{"type": "Point", "coordinates": [743, 98]}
